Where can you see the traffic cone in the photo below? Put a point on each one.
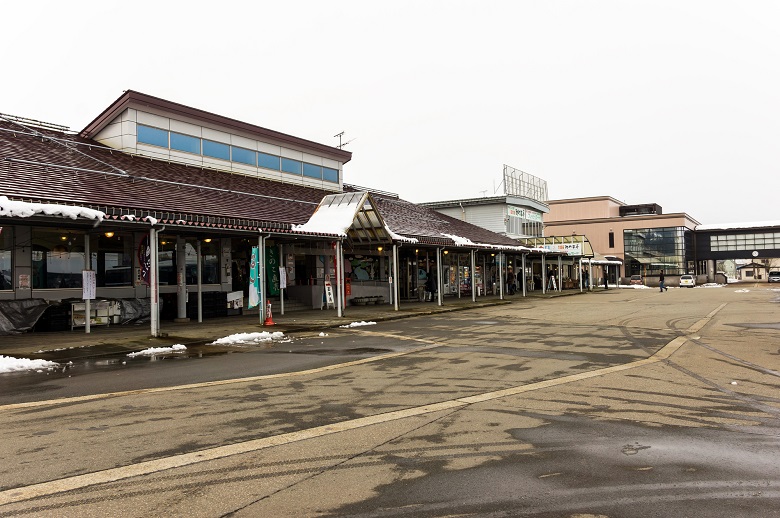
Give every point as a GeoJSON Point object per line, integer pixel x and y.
{"type": "Point", "coordinates": [269, 321]}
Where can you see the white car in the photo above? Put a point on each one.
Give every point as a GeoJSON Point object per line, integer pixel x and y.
{"type": "Point", "coordinates": [687, 281]}
{"type": "Point", "coordinates": [774, 276]}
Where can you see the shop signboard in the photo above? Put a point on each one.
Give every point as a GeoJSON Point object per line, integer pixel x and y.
{"type": "Point", "coordinates": [574, 249]}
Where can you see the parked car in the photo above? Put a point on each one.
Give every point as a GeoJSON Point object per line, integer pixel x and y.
{"type": "Point", "coordinates": [774, 276]}
{"type": "Point", "coordinates": [687, 281]}
{"type": "Point", "coordinates": [636, 279]}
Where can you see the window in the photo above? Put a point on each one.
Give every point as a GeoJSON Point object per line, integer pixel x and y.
{"type": "Point", "coordinates": [114, 260]}
{"type": "Point", "coordinates": [312, 171]}
{"type": "Point", "coordinates": [611, 239]}
{"type": "Point", "coordinates": [268, 161]}
{"type": "Point", "coordinates": [153, 136]}
{"type": "Point", "coordinates": [186, 143]}
{"type": "Point", "coordinates": [216, 150]}
{"type": "Point", "coordinates": [6, 247]}
{"type": "Point", "coordinates": [291, 166]}
{"type": "Point", "coordinates": [245, 156]}
{"type": "Point", "coordinates": [330, 175]}
{"type": "Point", "coordinates": [57, 259]}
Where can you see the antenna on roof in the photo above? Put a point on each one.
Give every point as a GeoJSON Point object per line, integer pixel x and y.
{"type": "Point", "coordinates": [341, 145]}
{"type": "Point", "coordinates": [484, 193]}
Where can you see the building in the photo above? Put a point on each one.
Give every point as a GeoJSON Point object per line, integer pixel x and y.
{"type": "Point", "coordinates": [160, 207]}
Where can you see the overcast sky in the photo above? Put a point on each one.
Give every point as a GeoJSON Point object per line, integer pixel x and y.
{"type": "Point", "coordinates": [668, 102]}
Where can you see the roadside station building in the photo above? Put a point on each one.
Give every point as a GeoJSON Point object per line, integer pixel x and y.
{"type": "Point", "coordinates": [157, 206]}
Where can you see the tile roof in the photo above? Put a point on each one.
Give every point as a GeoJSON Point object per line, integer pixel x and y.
{"type": "Point", "coordinates": [52, 167]}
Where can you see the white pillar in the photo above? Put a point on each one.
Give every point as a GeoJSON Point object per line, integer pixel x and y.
{"type": "Point", "coordinates": [473, 276]}
{"type": "Point", "coordinates": [261, 277]}
{"type": "Point", "coordinates": [590, 275]}
{"type": "Point", "coordinates": [524, 276]}
{"type": "Point", "coordinates": [579, 274]}
{"type": "Point", "coordinates": [181, 279]}
{"type": "Point", "coordinates": [200, 281]}
{"type": "Point", "coordinates": [339, 279]}
{"type": "Point", "coordinates": [87, 266]}
{"type": "Point", "coordinates": [500, 270]}
{"type": "Point", "coordinates": [396, 283]}
{"type": "Point", "coordinates": [282, 264]}
{"type": "Point", "coordinates": [560, 273]}
{"type": "Point", "coordinates": [154, 282]}
{"type": "Point", "coordinates": [438, 274]}
{"type": "Point", "coordinates": [544, 275]}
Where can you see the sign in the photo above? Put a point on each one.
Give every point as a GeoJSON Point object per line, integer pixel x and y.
{"type": "Point", "coordinates": [290, 269]}
{"type": "Point", "coordinates": [24, 280]}
{"type": "Point", "coordinates": [89, 284]}
{"type": "Point", "coordinates": [272, 269]}
{"type": "Point", "coordinates": [516, 212]}
{"type": "Point", "coordinates": [282, 277]}
{"type": "Point", "coordinates": [329, 300]}
{"type": "Point", "coordinates": [567, 248]}
{"type": "Point", "coordinates": [254, 281]}
{"type": "Point", "coordinates": [533, 216]}
{"type": "Point", "coordinates": [145, 259]}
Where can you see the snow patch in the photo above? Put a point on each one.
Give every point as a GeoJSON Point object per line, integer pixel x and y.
{"type": "Point", "coordinates": [156, 351]}
{"type": "Point", "coordinates": [358, 324]}
{"type": "Point", "coordinates": [249, 338]}
{"type": "Point", "coordinates": [11, 364]}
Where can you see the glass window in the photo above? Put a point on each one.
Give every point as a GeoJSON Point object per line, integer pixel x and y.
{"type": "Point", "coordinates": [245, 156]}
{"type": "Point", "coordinates": [268, 161]}
{"type": "Point", "coordinates": [330, 175]}
{"type": "Point", "coordinates": [153, 136]}
{"type": "Point", "coordinates": [114, 260]}
{"type": "Point", "coordinates": [6, 247]}
{"type": "Point", "coordinates": [209, 253]}
{"type": "Point", "coordinates": [186, 143]}
{"type": "Point", "coordinates": [216, 149]}
{"type": "Point", "coordinates": [291, 166]}
{"type": "Point", "coordinates": [57, 259]}
{"type": "Point", "coordinates": [312, 171]}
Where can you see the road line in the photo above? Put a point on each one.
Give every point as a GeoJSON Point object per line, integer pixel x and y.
{"type": "Point", "coordinates": [704, 321]}
{"type": "Point", "coordinates": [146, 468]}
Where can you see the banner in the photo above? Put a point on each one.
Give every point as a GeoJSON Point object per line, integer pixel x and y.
{"type": "Point", "coordinates": [145, 259]}
{"type": "Point", "coordinates": [272, 269]}
{"type": "Point", "coordinates": [254, 281]}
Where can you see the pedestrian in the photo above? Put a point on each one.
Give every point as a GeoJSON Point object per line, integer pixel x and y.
{"type": "Point", "coordinates": [606, 280]}
{"type": "Point", "coordinates": [430, 286]}
{"type": "Point", "coordinates": [510, 282]}
{"type": "Point", "coordinates": [586, 277]}
{"type": "Point", "coordinates": [661, 282]}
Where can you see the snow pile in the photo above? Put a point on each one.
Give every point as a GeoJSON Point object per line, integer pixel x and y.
{"type": "Point", "coordinates": [742, 291]}
{"type": "Point", "coordinates": [711, 285]}
{"type": "Point", "coordinates": [21, 209]}
{"type": "Point", "coordinates": [155, 351]}
{"type": "Point", "coordinates": [358, 324]}
{"type": "Point", "coordinates": [249, 338]}
{"type": "Point", "coordinates": [11, 364]}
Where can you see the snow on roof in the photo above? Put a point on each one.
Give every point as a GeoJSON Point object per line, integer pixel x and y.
{"type": "Point", "coordinates": [464, 241]}
{"type": "Point", "coordinates": [331, 219]}
{"type": "Point", "coordinates": [728, 226]}
{"type": "Point", "coordinates": [397, 237]}
{"type": "Point", "coordinates": [21, 209]}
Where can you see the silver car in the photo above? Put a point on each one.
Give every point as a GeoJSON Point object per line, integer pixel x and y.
{"type": "Point", "coordinates": [774, 276]}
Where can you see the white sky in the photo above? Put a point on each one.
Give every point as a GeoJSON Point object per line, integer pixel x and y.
{"type": "Point", "coordinates": [664, 102]}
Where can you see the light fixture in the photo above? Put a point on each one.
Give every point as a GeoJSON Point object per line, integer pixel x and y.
{"type": "Point", "coordinates": [109, 234]}
{"type": "Point", "coordinates": [207, 240]}
{"type": "Point", "coordinates": [63, 238]}
{"type": "Point", "coordinates": [379, 248]}
{"type": "Point", "coordinates": [446, 252]}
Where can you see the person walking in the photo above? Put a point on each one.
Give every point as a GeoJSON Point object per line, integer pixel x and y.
{"type": "Point", "coordinates": [661, 282]}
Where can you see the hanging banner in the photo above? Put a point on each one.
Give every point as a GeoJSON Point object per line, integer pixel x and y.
{"type": "Point", "coordinates": [272, 269]}
{"type": "Point", "coordinates": [145, 260]}
{"type": "Point", "coordinates": [254, 281]}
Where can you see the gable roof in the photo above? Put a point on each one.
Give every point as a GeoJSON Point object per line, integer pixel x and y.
{"type": "Point", "coordinates": [145, 102]}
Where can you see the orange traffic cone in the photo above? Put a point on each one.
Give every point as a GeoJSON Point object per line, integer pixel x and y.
{"type": "Point", "coordinates": [269, 321]}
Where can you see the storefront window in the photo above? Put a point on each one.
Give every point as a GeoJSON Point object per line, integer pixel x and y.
{"type": "Point", "coordinates": [58, 259]}
{"type": "Point", "coordinates": [210, 262]}
{"type": "Point", "coordinates": [6, 247]}
{"type": "Point", "coordinates": [114, 259]}
{"type": "Point", "coordinates": [650, 250]}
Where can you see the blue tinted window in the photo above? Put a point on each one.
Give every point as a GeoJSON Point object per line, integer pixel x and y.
{"type": "Point", "coordinates": [268, 161]}
{"type": "Point", "coordinates": [216, 150]}
{"type": "Point", "coordinates": [311, 170]}
{"type": "Point", "coordinates": [185, 143]}
{"type": "Point", "coordinates": [291, 166]}
{"type": "Point", "coordinates": [330, 175]}
{"type": "Point", "coordinates": [153, 136]}
{"type": "Point", "coordinates": [244, 156]}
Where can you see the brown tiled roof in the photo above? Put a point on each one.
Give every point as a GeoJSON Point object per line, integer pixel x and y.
{"type": "Point", "coordinates": [51, 167]}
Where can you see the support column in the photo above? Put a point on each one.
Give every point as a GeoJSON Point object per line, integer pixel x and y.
{"type": "Point", "coordinates": [282, 288]}
{"type": "Point", "coordinates": [87, 266]}
{"type": "Point", "coordinates": [339, 279]}
{"type": "Point", "coordinates": [579, 274]}
{"type": "Point", "coordinates": [473, 276]}
{"type": "Point", "coordinates": [181, 280]}
{"type": "Point", "coordinates": [524, 275]}
{"type": "Point", "coordinates": [544, 275]}
{"type": "Point", "coordinates": [200, 281]}
{"type": "Point", "coordinates": [500, 269]}
{"type": "Point", "coordinates": [261, 277]}
{"type": "Point", "coordinates": [438, 274]}
{"type": "Point", "coordinates": [154, 282]}
{"type": "Point", "coordinates": [560, 273]}
{"type": "Point", "coordinates": [396, 284]}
